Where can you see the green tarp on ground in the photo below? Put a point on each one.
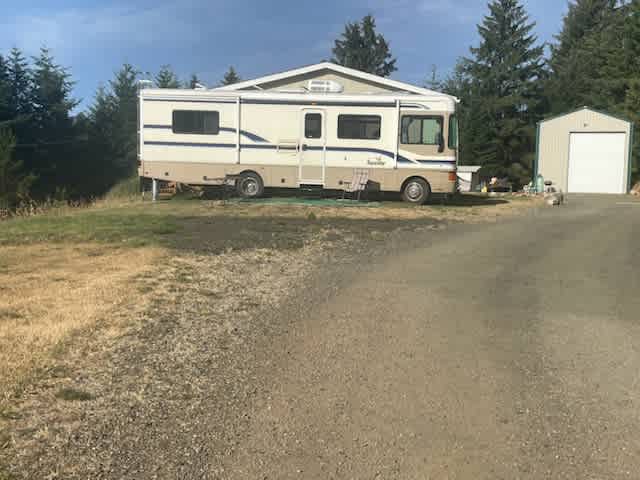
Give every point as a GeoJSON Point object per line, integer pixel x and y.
{"type": "Point", "coordinates": [326, 202]}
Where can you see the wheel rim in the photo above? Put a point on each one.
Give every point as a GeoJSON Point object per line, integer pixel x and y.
{"type": "Point", "coordinates": [415, 191]}
{"type": "Point", "coordinates": [250, 187]}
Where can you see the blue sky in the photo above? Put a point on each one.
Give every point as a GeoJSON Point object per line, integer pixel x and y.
{"type": "Point", "coordinates": [93, 38]}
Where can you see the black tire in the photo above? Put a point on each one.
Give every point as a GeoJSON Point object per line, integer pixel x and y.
{"type": "Point", "coordinates": [250, 185]}
{"type": "Point", "coordinates": [416, 191]}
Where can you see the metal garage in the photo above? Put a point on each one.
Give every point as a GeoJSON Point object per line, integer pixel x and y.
{"type": "Point", "coordinates": [585, 151]}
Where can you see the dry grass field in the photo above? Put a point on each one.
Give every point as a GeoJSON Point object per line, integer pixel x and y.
{"type": "Point", "coordinates": [74, 277]}
{"type": "Point", "coordinates": [66, 269]}
{"type": "Point", "coordinates": [51, 290]}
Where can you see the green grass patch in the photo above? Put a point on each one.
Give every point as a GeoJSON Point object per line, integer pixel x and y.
{"type": "Point", "coordinates": [73, 395]}
{"type": "Point", "coordinates": [129, 226]}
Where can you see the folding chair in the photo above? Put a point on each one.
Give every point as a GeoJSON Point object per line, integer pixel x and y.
{"type": "Point", "coordinates": [358, 183]}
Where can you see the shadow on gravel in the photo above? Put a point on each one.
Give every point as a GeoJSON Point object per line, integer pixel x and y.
{"type": "Point", "coordinates": [218, 234]}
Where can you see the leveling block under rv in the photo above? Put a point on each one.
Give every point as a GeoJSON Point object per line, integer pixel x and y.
{"type": "Point", "coordinates": [407, 143]}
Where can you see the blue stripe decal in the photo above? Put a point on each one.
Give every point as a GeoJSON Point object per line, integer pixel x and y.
{"type": "Point", "coordinates": [249, 135]}
{"type": "Point", "coordinates": [269, 146]}
{"type": "Point", "coordinates": [190, 144]}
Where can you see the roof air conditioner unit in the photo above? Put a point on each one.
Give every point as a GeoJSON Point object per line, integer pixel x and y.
{"type": "Point", "coordinates": [324, 86]}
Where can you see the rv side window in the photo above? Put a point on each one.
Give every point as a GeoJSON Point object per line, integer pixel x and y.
{"type": "Point", "coordinates": [313, 125]}
{"type": "Point", "coordinates": [362, 127]}
{"type": "Point", "coordinates": [196, 122]}
{"type": "Point", "coordinates": [421, 130]}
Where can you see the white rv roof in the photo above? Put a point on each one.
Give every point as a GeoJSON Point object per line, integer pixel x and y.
{"type": "Point", "coordinates": [436, 101]}
{"type": "Point", "coordinates": [407, 87]}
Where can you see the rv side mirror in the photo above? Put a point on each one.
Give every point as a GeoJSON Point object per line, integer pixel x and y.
{"type": "Point", "coordinates": [440, 142]}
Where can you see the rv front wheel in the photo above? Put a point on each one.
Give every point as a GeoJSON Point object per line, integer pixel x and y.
{"type": "Point", "coordinates": [416, 190]}
{"type": "Point", "coordinates": [250, 185]}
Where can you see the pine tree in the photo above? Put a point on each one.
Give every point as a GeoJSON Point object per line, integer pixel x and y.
{"type": "Point", "coordinates": [112, 128]}
{"type": "Point", "coordinates": [632, 111]}
{"type": "Point", "coordinates": [583, 18]}
{"type": "Point", "coordinates": [166, 78]}
{"type": "Point", "coordinates": [230, 77]}
{"type": "Point", "coordinates": [53, 135]}
{"type": "Point", "coordinates": [101, 131]}
{"type": "Point", "coordinates": [433, 82]}
{"type": "Point", "coordinates": [581, 59]}
{"type": "Point", "coordinates": [193, 82]}
{"type": "Point", "coordinates": [472, 118]}
{"type": "Point", "coordinates": [505, 73]}
{"type": "Point", "coordinates": [19, 86]}
{"type": "Point", "coordinates": [51, 98]}
{"type": "Point", "coordinates": [360, 47]}
{"type": "Point", "coordinates": [4, 92]}
{"type": "Point", "coordinates": [14, 184]}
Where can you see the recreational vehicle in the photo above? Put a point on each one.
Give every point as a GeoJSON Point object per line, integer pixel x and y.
{"type": "Point", "coordinates": [314, 136]}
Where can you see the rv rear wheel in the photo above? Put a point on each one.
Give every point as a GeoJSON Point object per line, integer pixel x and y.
{"type": "Point", "coordinates": [416, 190]}
{"type": "Point", "coordinates": [250, 185]}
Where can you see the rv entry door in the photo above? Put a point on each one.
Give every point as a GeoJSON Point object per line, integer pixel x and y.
{"type": "Point", "coordinates": [312, 147]}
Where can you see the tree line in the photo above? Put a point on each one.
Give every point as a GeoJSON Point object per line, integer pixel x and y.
{"type": "Point", "coordinates": [510, 81]}
{"type": "Point", "coordinates": [507, 83]}
{"type": "Point", "coordinates": [48, 151]}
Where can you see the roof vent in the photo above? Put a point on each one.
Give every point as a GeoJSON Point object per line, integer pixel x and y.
{"type": "Point", "coordinates": [324, 86]}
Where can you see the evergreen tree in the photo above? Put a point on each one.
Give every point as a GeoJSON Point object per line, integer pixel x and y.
{"type": "Point", "coordinates": [4, 91]}
{"type": "Point", "coordinates": [581, 58]}
{"type": "Point", "coordinates": [19, 86]}
{"type": "Point", "coordinates": [101, 131]}
{"type": "Point", "coordinates": [505, 73]}
{"type": "Point", "coordinates": [631, 60]}
{"type": "Point", "coordinates": [125, 92]}
{"type": "Point", "coordinates": [472, 117]}
{"type": "Point", "coordinates": [360, 47]}
{"type": "Point", "coordinates": [166, 78]}
{"type": "Point", "coordinates": [583, 18]}
{"type": "Point", "coordinates": [52, 131]}
{"type": "Point", "coordinates": [112, 129]}
{"type": "Point", "coordinates": [14, 184]}
{"type": "Point", "coordinates": [230, 77]}
{"type": "Point", "coordinates": [193, 82]}
{"type": "Point", "coordinates": [632, 111]}
{"type": "Point", "coordinates": [51, 98]}
{"type": "Point", "coordinates": [433, 81]}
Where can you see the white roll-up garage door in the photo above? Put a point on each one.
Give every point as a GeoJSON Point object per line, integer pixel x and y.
{"type": "Point", "coordinates": [597, 163]}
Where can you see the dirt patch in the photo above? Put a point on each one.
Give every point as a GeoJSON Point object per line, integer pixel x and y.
{"type": "Point", "coordinates": [215, 234]}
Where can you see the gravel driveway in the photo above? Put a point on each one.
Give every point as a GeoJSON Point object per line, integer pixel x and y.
{"type": "Point", "coordinates": [474, 351]}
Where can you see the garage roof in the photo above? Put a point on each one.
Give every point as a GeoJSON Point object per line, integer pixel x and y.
{"type": "Point", "coordinates": [600, 112]}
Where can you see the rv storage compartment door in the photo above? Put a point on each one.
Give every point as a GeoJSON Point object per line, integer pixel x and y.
{"type": "Point", "coordinates": [312, 147]}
